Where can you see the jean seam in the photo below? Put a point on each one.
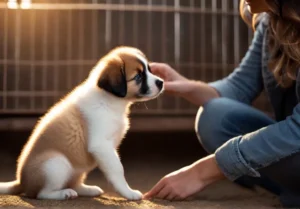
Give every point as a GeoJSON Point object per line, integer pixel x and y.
{"type": "Point", "coordinates": [249, 168]}
{"type": "Point", "coordinates": [226, 171]}
{"type": "Point", "coordinates": [237, 164]}
{"type": "Point", "coordinates": [236, 153]}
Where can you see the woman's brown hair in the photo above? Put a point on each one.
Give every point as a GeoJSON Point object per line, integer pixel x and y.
{"type": "Point", "coordinates": [284, 37]}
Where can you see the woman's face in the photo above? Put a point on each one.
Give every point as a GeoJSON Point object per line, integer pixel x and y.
{"type": "Point", "coordinates": [257, 6]}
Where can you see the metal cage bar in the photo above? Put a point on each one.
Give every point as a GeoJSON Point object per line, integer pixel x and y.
{"type": "Point", "coordinates": [49, 47]}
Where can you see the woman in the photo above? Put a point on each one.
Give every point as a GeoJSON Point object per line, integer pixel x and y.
{"type": "Point", "coordinates": [245, 145]}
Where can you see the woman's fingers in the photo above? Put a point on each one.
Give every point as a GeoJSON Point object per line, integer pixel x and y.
{"type": "Point", "coordinates": [178, 198]}
{"type": "Point", "coordinates": [176, 87]}
{"type": "Point", "coordinates": [159, 70]}
{"type": "Point", "coordinates": [155, 190]}
{"type": "Point", "coordinates": [171, 86]}
{"type": "Point", "coordinates": [171, 196]}
{"type": "Point", "coordinates": [163, 193]}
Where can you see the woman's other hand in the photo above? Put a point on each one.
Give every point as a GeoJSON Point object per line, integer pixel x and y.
{"type": "Point", "coordinates": [187, 181]}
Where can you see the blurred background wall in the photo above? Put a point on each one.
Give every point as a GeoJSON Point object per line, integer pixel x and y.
{"type": "Point", "coordinates": [47, 47]}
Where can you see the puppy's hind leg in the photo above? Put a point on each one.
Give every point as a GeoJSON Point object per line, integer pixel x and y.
{"type": "Point", "coordinates": [83, 189]}
{"type": "Point", "coordinates": [57, 171]}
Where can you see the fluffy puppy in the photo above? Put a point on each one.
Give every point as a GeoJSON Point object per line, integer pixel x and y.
{"type": "Point", "coordinates": [83, 131]}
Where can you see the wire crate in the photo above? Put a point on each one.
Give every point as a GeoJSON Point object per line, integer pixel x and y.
{"type": "Point", "coordinates": [48, 47]}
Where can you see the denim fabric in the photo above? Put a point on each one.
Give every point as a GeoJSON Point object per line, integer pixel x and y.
{"type": "Point", "coordinates": [225, 121]}
{"type": "Point", "coordinates": [263, 145]}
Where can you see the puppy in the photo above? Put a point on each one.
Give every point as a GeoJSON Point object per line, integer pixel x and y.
{"type": "Point", "coordinates": [83, 131]}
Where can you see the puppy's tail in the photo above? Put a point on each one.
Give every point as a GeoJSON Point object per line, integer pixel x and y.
{"type": "Point", "coordinates": [11, 188]}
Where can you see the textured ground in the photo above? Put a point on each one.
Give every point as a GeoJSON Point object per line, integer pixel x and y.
{"type": "Point", "coordinates": [146, 158]}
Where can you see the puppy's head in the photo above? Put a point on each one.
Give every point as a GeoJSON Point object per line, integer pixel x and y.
{"type": "Point", "coordinates": [125, 73]}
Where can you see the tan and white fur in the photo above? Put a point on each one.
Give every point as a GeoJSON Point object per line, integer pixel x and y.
{"type": "Point", "coordinates": [83, 131]}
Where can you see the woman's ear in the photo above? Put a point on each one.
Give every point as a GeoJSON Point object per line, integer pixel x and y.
{"type": "Point", "coordinates": [113, 78]}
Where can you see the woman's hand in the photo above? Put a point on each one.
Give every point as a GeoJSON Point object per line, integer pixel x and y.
{"type": "Point", "coordinates": [174, 83]}
{"type": "Point", "coordinates": [187, 181]}
{"type": "Point", "coordinates": [196, 92]}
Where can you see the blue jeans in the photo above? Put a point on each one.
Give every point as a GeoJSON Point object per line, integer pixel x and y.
{"type": "Point", "coordinates": [216, 125]}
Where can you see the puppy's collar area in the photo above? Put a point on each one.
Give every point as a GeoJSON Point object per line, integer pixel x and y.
{"type": "Point", "coordinates": [97, 98]}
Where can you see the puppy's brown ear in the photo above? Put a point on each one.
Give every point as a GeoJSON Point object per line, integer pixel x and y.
{"type": "Point", "coordinates": [113, 78]}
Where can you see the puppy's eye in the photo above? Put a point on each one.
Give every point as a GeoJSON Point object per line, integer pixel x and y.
{"type": "Point", "coordinates": [138, 76]}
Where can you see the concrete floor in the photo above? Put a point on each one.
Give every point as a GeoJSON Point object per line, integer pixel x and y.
{"type": "Point", "coordinates": [146, 158]}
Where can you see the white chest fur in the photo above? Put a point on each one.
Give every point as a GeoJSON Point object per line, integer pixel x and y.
{"type": "Point", "coordinates": [113, 126]}
{"type": "Point", "coordinates": [105, 115]}
{"type": "Point", "coordinates": [107, 122]}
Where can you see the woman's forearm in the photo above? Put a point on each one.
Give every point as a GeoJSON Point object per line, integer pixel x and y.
{"type": "Point", "coordinates": [211, 173]}
{"type": "Point", "coordinates": [200, 92]}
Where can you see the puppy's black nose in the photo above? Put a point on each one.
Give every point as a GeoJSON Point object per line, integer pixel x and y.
{"type": "Point", "coordinates": [159, 84]}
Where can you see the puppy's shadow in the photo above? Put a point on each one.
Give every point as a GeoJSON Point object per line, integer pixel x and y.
{"type": "Point", "coordinates": [97, 202]}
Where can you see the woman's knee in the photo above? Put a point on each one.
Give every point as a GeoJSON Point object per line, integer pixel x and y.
{"type": "Point", "coordinates": [209, 126]}
{"type": "Point", "coordinates": [221, 119]}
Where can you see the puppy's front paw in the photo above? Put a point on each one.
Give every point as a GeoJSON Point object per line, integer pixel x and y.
{"type": "Point", "coordinates": [133, 195]}
{"type": "Point", "coordinates": [88, 191]}
{"type": "Point", "coordinates": [69, 194]}
{"type": "Point", "coordinates": [95, 191]}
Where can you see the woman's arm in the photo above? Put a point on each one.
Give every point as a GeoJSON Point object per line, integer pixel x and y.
{"type": "Point", "coordinates": [245, 82]}
{"type": "Point", "coordinates": [243, 155]}
{"type": "Point", "coordinates": [196, 92]}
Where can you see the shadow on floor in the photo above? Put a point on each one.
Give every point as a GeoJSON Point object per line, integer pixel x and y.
{"type": "Point", "coordinates": [146, 158]}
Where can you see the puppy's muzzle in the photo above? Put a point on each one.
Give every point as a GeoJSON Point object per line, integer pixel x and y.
{"type": "Point", "coordinates": [159, 84]}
